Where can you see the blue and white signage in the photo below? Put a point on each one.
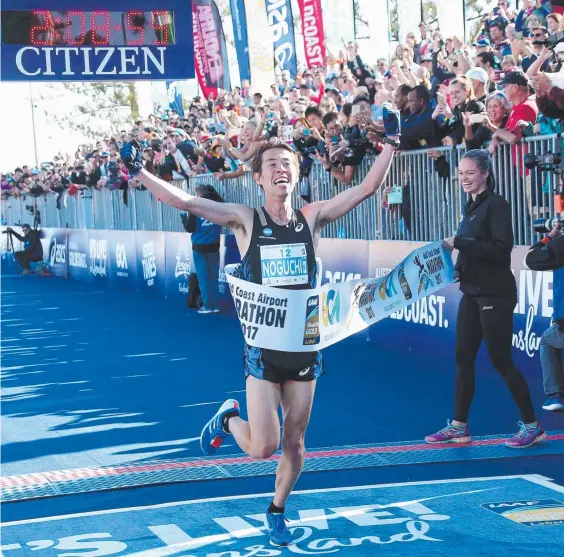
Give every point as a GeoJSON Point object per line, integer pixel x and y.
{"type": "Point", "coordinates": [281, 23]}
{"type": "Point", "coordinates": [85, 40]}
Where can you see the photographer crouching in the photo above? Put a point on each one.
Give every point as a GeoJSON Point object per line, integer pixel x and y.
{"type": "Point", "coordinates": [33, 250]}
{"type": "Point", "coordinates": [548, 255]}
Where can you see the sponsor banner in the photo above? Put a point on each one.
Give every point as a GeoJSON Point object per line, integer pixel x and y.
{"type": "Point", "coordinates": [545, 512]}
{"type": "Point", "coordinates": [309, 320]}
{"type": "Point", "coordinates": [342, 260]}
{"type": "Point", "coordinates": [55, 254]}
{"type": "Point", "coordinates": [99, 256]}
{"type": "Point", "coordinates": [151, 262]}
{"type": "Point", "coordinates": [78, 254]}
{"type": "Point", "coordinates": [428, 322]}
{"type": "Point", "coordinates": [312, 29]}
{"type": "Point", "coordinates": [281, 23]}
{"type": "Point", "coordinates": [123, 259]}
{"type": "Point", "coordinates": [261, 49]}
{"type": "Point", "coordinates": [175, 97]}
{"type": "Point", "coordinates": [179, 264]}
{"type": "Point", "coordinates": [241, 37]}
{"type": "Point", "coordinates": [210, 48]}
{"type": "Point", "coordinates": [432, 320]}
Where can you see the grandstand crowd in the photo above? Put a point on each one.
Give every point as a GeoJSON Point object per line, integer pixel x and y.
{"type": "Point", "coordinates": [505, 85]}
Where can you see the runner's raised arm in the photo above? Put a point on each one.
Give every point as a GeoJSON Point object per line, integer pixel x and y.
{"type": "Point", "coordinates": [224, 214]}
{"type": "Point", "coordinates": [328, 211]}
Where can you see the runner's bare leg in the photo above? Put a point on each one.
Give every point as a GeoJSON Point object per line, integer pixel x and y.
{"type": "Point", "coordinates": [297, 400]}
{"type": "Point", "coordinates": [260, 436]}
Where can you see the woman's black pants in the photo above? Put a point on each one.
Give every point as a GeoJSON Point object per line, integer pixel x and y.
{"type": "Point", "coordinates": [490, 319]}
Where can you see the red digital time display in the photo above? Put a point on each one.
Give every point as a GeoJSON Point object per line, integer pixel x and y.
{"type": "Point", "coordinates": [81, 28]}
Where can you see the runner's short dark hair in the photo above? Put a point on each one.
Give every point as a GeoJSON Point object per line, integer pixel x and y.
{"type": "Point", "coordinates": [272, 144]}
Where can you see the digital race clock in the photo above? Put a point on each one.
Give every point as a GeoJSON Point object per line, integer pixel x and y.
{"type": "Point", "coordinates": [78, 41]}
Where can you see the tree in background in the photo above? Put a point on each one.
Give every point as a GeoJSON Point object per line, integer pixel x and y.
{"type": "Point", "coordinates": [91, 109]}
{"type": "Point", "coordinates": [475, 9]}
{"type": "Point", "coordinates": [394, 21]}
{"type": "Point", "coordinates": [361, 29]}
{"type": "Point", "coordinates": [430, 12]}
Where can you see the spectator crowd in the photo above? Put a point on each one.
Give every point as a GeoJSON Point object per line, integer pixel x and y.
{"type": "Point", "coordinates": [505, 85]}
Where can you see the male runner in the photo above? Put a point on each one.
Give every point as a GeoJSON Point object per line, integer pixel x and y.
{"type": "Point", "coordinates": [273, 378]}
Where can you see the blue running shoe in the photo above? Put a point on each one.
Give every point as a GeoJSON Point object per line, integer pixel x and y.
{"type": "Point", "coordinates": [213, 434]}
{"type": "Point", "coordinates": [279, 533]}
{"type": "Point", "coordinates": [554, 403]}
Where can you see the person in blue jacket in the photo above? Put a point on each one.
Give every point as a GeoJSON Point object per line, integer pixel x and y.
{"type": "Point", "coordinates": [205, 250]}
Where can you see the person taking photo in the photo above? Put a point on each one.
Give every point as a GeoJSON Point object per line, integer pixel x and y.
{"type": "Point", "coordinates": [33, 250]}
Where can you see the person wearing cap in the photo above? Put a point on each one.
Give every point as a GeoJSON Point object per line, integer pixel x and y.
{"type": "Point", "coordinates": [479, 79]}
{"type": "Point", "coordinates": [524, 113]}
{"type": "Point", "coordinates": [516, 88]}
{"type": "Point", "coordinates": [33, 250]}
{"type": "Point", "coordinates": [482, 45]}
{"type": "Point", "coordinates": [105, 156]}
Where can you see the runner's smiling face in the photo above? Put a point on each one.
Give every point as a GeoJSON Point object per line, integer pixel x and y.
{"type": "Point", "coordinates": [279, 173]}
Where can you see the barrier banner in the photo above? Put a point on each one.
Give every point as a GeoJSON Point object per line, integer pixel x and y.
{"type": "Point", "coordinates": [281, 23]}
{"type": "Point", "coordinates": [54, 242]}
{"type": "Point", "coordinates": [98, 256]}
{"type": "Point", "coordinates": [314, 36]}
{"type": "Point", "coordinates": [431, 321]}
{"type": "Point", "coordinates": [123, 259]}
{"type": "Point", "coordinates": [151, 262]}
{"type": "Point", "coordinates": [78, 252]}
{"type": "Point", "coordinates": [179, 264]}
{"type": "Point", "coordinates": [241, 37]}
{"type": "Point", "coordinates": [309, 320]}
{"type": "Point", "coordinates": [210, 48]}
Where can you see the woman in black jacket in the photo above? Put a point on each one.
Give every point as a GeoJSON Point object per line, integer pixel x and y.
{"type": "Point", "coordinates": [485, 241]}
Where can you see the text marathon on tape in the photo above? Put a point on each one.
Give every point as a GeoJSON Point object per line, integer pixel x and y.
{"type": "Point", "coordinates": [309, 320]}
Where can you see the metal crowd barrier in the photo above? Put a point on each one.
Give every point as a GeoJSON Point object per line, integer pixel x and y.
{"type": "Point", "coordinates": [431, 207]}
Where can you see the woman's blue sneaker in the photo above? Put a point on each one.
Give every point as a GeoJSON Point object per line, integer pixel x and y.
{"type": "Point", "coordinates": [213, 434]}
{"type": "Point", "coordinates": [525, 437]}
{"type": "Point", "coordinates": [277, 529]}
{"type": "Point", "coordinates": [554, 403]}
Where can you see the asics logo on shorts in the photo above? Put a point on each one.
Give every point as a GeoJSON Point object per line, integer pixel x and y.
{"type": "Point", "coordinates": [304, 371]}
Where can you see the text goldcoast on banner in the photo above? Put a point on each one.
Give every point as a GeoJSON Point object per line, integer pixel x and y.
{"type": "Point", "coordinates": [309, 320]}
{"type": "Point", "coordinates": [312, 28]}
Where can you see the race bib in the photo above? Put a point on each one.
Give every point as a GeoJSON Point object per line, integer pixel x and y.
{"type": "Point", "coordinates": [284, 265]}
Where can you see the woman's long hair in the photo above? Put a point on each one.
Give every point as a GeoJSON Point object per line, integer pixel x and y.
{"type": "Point", "coordinates": [484, 162]}
{"type": "Point", "coordinates": [209, 192]}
